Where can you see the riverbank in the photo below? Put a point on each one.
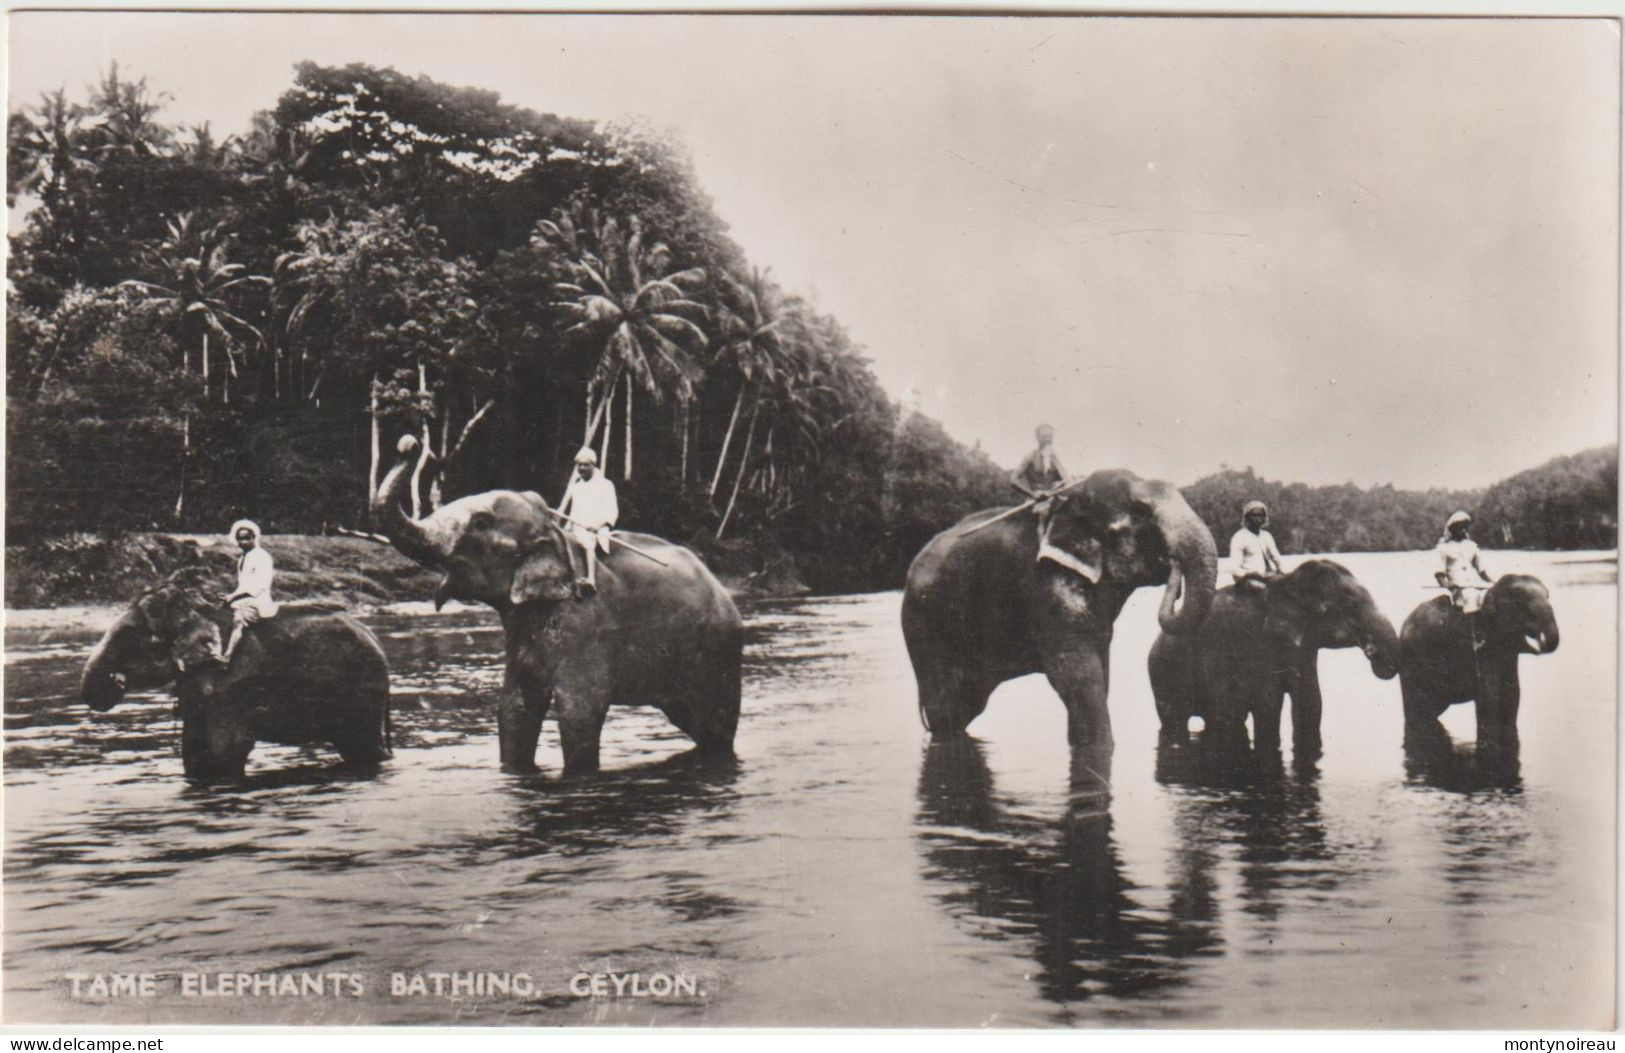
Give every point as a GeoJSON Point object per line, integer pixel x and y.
{"type": "Point", "coordinates": [68, 580]}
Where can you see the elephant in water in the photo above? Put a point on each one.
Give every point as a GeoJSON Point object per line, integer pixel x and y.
{"type": "Point", "coordinates": [1446, 657]}
{"type": "Point", "coordinates": [308, 675]}
{"type": "Point", "coordinates": [980, 608]}
{"type": "Point", "coordinates": [664, 634]}
{"type": "Point", "coordinates": [1254, 649]}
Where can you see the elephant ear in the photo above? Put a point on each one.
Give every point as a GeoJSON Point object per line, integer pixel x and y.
{"type": "Point", "coordinates": [545, 574]}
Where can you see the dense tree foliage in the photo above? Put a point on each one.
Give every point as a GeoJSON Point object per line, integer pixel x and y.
{"type": "Point", "coordinates": [1566, 503]}
{"type": "Point", "coordinates": [203, 328]}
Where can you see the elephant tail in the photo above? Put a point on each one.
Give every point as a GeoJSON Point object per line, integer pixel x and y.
{"type": "Point", "coordinates": [389, 728]}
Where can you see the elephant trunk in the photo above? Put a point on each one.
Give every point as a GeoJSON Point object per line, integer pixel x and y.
{"type": "Point", "coordinates": [414, 538]}
{"type": "Point", "coordinates": [1381, 645]}
{"type": "Point", "coordinates": [100, 687]}
{"type": "Point", "coordinates": [1193, 561]}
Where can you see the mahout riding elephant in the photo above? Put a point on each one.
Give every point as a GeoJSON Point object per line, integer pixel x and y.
{"type": "Point", "coordinates": [309, 675]}
{"type": "Point", "coordinates": [980, 608]}
{"type": "Point", "coordinates": [1446, 657]}
{"type": "Point", "coordinates": [664, 634]}
{"type": "Point", "coordinates": [1257, 647]}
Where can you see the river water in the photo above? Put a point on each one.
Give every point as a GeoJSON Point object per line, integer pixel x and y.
{"type": "Point", "coordinates": [842, 871]}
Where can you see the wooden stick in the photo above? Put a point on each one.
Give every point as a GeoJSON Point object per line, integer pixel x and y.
{"type": "Point", "coordinates": [620, 539]}
{"type": "Point", "coordinates": [362, 534]}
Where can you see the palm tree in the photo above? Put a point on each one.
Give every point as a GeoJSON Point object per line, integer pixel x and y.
{"type": "Point", "coordinates": [44, 149]}
{"type": "Point", "coordinates": [199, 280]}
{"type": "Point", "coordinates": [627, 296]}
{"type": "Point", "coordinates": [198, 284]}
{"type": "Point", "coordinates": [752, 313]}
{"type": "Point", "coordinates": [123, 122]}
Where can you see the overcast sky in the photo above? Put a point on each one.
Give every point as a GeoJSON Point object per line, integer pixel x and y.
{"type": "Point", "coordinates": [1379, 251]}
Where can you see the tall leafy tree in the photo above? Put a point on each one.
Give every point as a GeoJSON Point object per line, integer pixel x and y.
{"type": "Point", "coordinates": [626, 296]}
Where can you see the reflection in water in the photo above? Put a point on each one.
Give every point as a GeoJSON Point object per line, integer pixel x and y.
{"type": "Point", "coordinates": [1232, 797]}
{"type": "Point", "coordinates": [1059, 886]}
{"type": "Point", "coordinates": [580, 817]}
{"type": "Point", "coordinates": [832, 875]}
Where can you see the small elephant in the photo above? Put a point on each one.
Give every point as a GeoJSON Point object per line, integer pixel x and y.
{"type": "Point", "coordinates": [980, 608]}
{"type": "Point", "coordinates": [1446, 657]}
{"type": "Point", "coordinates": [305, 676]}
{"type": "Point", "coordinates": [1256, 648]}
{"type": "Point", "coordinates": [664, 634]}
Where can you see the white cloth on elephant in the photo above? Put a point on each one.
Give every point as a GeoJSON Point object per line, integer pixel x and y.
{"type": "Point", "coordinates": [591, 502]}
{"type": "Point", "coordinates": [1462, 573]}
{"type": "Point", "coordinates": [586, 538]}
{"type": "Point", "coordinates": [1460, 559]}
{"type": "Point", "coordinates": [254, 573]}
{"type": "Point", "coordinates": [1252, 553]}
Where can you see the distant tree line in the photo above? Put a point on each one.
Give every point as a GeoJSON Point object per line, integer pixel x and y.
{"type": "Point", "coordinates": [201, 328]}
{"type": "Point", "coordinates": [1567, 503]}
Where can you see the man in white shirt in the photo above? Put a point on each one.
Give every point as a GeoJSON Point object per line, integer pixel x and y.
{"type": "Point", "coordinates": [590, 501]}
{"type": "Point", "coordinates": [1462, 572]}
{"type": "Point", "coordinates": [1255, 559]}
{"type": "Point", "coordinates": [252, 599]}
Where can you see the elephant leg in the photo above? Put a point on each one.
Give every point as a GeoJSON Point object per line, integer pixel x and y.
{"type": "Point", "coordinates": [527, 691]}
{"type": "Point", "coordinates": [581, 699]}
{"type": "Point", "coordinates": [519, 728]}
{"type": "Point", "coordinates": [1268, 700]}
{"type": "Point", "coordinates": [1173, 685]}
{"type": "Point", "coordinates": [1498, 698]}
{"type": "Point", "coordinates": [225, 764]}
{"type": "Point", "coordinates": [1422, 707]}
{"type": "Point", "coordinates": [362, 741]}
{"type": "Point", "coordinates": [1228, 701]}
{"type": "Point", "coordinates": [705, 707]}
{"type": "Point", "coordinates": [1306, 710]}
{"type": "Point", "coordinates": [1081, 677]}
{"type": "Point", "coordinates": [950, 699]}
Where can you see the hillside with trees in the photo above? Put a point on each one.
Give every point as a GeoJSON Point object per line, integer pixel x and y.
{"type": "Point", "coordinates": [201, 328]}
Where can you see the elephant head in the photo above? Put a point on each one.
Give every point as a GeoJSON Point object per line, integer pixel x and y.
{"type": "Point", "coordinates": [163, 633]}
{"type": "Point", "coordinates": [1122, 530]}
{"type": "Point", "coordinates": [1517, 614]}
{"type": "Point", "coordinates": [1320, 604]}
{"type": "Point", "coordinates": [500, 548]}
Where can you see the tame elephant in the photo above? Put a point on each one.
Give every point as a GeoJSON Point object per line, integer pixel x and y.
{"type": "Point", "coordinates": [305, 676]}
{"type": "Point", "coordinates": [1255, 649]}
{"type": "Point", "coordinates": [980, 608]}
{"type": "Point", "coordinates": [1439, 664]}
{"type": "Point", "coordinates": [664, 634]}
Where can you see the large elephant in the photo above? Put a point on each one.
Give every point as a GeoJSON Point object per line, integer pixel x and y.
{"type": "Point", "coordinates": [305, 676]}
{"type": "Point", "coordinates": [1440, 664]}
{"type": "Point", "coordinates": [664, 634]}
{"type": "Point", "coordinates": [1254, 649]}
{"type": "Point", "coordinates": [979, 608]}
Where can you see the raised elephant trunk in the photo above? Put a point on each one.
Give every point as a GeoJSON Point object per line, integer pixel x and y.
{"type": "Point", "coordinates": [1193, 562]}
{"type": "Point", "coordinates": [414, 538]}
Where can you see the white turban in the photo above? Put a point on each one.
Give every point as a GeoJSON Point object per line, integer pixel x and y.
{"type": "Point", "coordinates": [245, 524]}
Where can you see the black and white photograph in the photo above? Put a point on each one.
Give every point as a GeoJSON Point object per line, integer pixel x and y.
{"type": "Point", "coordinates": [741, 520]}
